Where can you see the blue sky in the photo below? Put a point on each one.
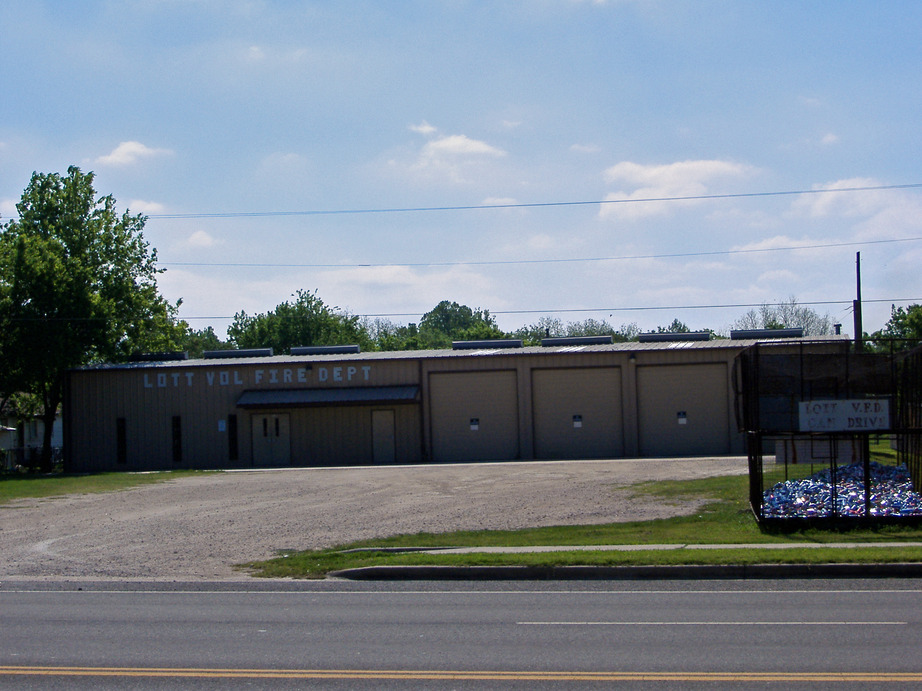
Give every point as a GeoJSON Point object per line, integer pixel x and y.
{"type": "Point", "coordinates": [185, 108]}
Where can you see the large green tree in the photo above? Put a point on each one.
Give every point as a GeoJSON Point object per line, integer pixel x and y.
{"type": "Point", "coordinates": [449, 321]}
{"type": "Point", "coordinates": [196, 341]}
{"type": "Point", "coordinates": [78, 285]}
{"type": "Point", "coordinates": [306, 321]}
{"type": "Point", "coordinates": [902, 331]}
{"type": "Point", "coordinates": [904, 322]}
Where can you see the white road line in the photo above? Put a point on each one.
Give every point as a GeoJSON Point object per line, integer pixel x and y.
{"type": "Point", "coordinates": [711, 623]}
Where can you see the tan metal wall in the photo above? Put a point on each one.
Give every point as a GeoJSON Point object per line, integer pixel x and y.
{"type": "Point", "coordinates": [474, 415]}
{"type": "Point", "coordinates": [683, 410]}
{"type": "Point", "coordinates": [345, 435]}
{"type": "Point", "coordinates": [524, 403]}
{"type": "Point", "coordinates": [204, 396]}
{"type": "Point", "coordinates": [577, 412]}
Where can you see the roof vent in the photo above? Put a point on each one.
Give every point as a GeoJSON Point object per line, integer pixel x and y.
{"type": "Point", "coordinates": [326, 350]}
{"type": "Point", "coordinates": [158, 357]}
{"type": "Point", "coordinates": [759, 334]}
{"type": "Point", "coordinates": [495, 343]}
{"type": "Point", "coordinates": [233, 353]}
{"type": "Point", "coordinates": [669, 337]}
{"type": "Point", "coordinates": [576, 340]}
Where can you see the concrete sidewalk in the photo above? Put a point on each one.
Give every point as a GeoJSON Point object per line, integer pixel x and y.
{"type": "Point", "coordinates": [637, 548]}
{"type": "Point", "coordinates": [679, 572]}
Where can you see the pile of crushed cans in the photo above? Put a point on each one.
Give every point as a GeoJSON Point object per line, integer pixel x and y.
{"type": "Point", "coordinates": [892, 494]}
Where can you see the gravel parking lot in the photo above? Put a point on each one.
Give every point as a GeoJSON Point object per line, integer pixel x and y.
{"type": "Point", "coordinates": [197, 528]}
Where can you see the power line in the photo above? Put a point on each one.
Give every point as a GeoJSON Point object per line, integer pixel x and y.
{"type": "Point", "coordinates": [507, 262]}
{"type": "Point", "coordinates": [527, 205]}
{"type": "Point", "coordinates": [611, 310]}
{"type": "Point", "coordinates": [574, 310]}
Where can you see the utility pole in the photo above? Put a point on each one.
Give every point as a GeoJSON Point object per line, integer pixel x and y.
{"type": "Point", "coordinates": [857, 306]}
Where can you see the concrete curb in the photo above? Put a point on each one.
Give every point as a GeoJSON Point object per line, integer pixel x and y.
{"type": "Point", "coordinates": [616, 573]}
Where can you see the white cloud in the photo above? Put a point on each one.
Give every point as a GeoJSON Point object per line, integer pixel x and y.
{"type": "Point", "coordinates": [669, 181]}
{"type": "Point", "coordinates": [139, 206]}
{"type": "Point", "coordinates": [544, 244]}
{"type": "Point", "coordinates": [774, 243]}
{"type": "Point", "coordinates": [803, 251]}
{"type": "Point", "coordinates": [272, 57]}
{"type": "Point", "coordinates": [282, 163]}
{"type": "Point", "coordinates": [458, 145]}
{"type": "Point", "coordinates": [283, 176]}
{"type": "Point", "coordinates": [423, 128]}
{"type": "Point", "coordinates": [499, 201]}
{"type": "Point", "coordinates": [585, 148]}
{"type": "Point", "coordinates": [196, 240]}
{"type": "Point", "coordinates": [455, 158]}
{"type": "Point", "coordinates": [201, 239]}
{"type": "Point", "coordinates": [875, 213]}
{"type": "Point", "coordinates": [377, 289]}
{"type": "Point", "coordinates": [829, 139]}
{"type": "Point", "coordinates": [778, 277]}
{"type": "Point", "coordinates": [127, 153]}
{"type": "Point", "coordinates": [821, 204]}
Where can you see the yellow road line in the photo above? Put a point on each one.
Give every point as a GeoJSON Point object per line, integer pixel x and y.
{"type": "Point", "coordinates": [462, 675]}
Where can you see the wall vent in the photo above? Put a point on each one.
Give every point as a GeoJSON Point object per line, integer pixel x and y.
{"type": "Point", "coordinates": [158, 357]}
{"type": "Point", "coordinates": [762, 334]}
{"type": "Point", "coordinates": [233, 353]}
{"type": "Point", "coordinates": [479, 345]}
{"type": "Point", "coordinates": [576, 341]}
{"type": "Point", "coordinates": [326, 350]}
{"type": "Point", "coordinates": [669, 337]}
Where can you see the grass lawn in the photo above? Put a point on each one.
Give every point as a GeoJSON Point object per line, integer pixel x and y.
{"type": "Point", "coordinates": [24, 486]}
{"type": "Point", "coordinates": [725, 519]}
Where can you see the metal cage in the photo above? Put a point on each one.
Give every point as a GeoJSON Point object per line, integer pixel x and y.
{"type": "Point", "coordinates": [833, 430]}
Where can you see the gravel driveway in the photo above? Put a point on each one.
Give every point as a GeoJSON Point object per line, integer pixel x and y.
{"type": "Point", "coordinates": [197, 528]}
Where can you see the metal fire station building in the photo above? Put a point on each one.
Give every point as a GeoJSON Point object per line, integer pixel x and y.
{"type": "Point", "coordinates": [480, 401]}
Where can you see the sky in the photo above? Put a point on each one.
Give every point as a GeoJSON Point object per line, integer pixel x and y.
{"type": "Point", "coordinates": [514, 156]}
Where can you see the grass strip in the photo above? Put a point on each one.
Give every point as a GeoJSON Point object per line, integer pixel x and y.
{"type": "Point", "coordinates": [317, 564]}
{"type": "Point", "coordinates": [724, 518]}
{"type": "Point", "coordinates": [21, 486]}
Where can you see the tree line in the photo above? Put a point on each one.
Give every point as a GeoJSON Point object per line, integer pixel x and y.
{"type": "Point", "coordinates": [307, 320]}
{"type": "Point", "coordinates": [78, 286]}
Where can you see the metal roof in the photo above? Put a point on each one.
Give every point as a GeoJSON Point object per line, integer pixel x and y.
{"type": "Point", "coordinates": [627, 347]}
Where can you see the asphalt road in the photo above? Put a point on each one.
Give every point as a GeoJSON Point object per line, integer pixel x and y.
{"type": "Point", "coordinates": [718, 634]}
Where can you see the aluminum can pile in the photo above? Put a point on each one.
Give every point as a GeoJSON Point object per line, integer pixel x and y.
{"type": "Point", "coordinates": [892, 494]}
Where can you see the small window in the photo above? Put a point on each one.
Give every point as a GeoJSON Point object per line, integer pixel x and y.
{"type": "Point", "coordinates": [177, 439]}
{"type": "Point", "coordinates": [121, 442]}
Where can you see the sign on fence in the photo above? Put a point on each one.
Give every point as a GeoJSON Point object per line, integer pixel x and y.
{"type": "Point", "coordinates": [848, 415]}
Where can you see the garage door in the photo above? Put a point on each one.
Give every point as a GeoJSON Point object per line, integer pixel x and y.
{"type": "Point", "coordinates": [578, 412]}
{"type": "Point", "coordinates": [683, 410]}
{"type": "Point", "coordinates": [474, 416]}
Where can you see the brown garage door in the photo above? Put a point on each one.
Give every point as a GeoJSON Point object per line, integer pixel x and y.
{"type": "Point", "coordinates": [683, 410]}
{"type": "Point", "coordinates": [474, 416]}
{"type": "Point", "coordinates": [578, 412]}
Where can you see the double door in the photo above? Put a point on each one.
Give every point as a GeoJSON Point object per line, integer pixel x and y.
{"type": "Point", "coordinates": [271, 439]}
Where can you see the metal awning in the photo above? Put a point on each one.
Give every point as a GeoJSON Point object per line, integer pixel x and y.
{"type": "Point", "coordinates": [300, 398]}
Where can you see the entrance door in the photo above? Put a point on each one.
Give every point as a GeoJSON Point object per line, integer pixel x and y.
{"type": "Point", "coordinates": [271, 439]}
{"type": "Point", "coordinates": [382, 431]}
